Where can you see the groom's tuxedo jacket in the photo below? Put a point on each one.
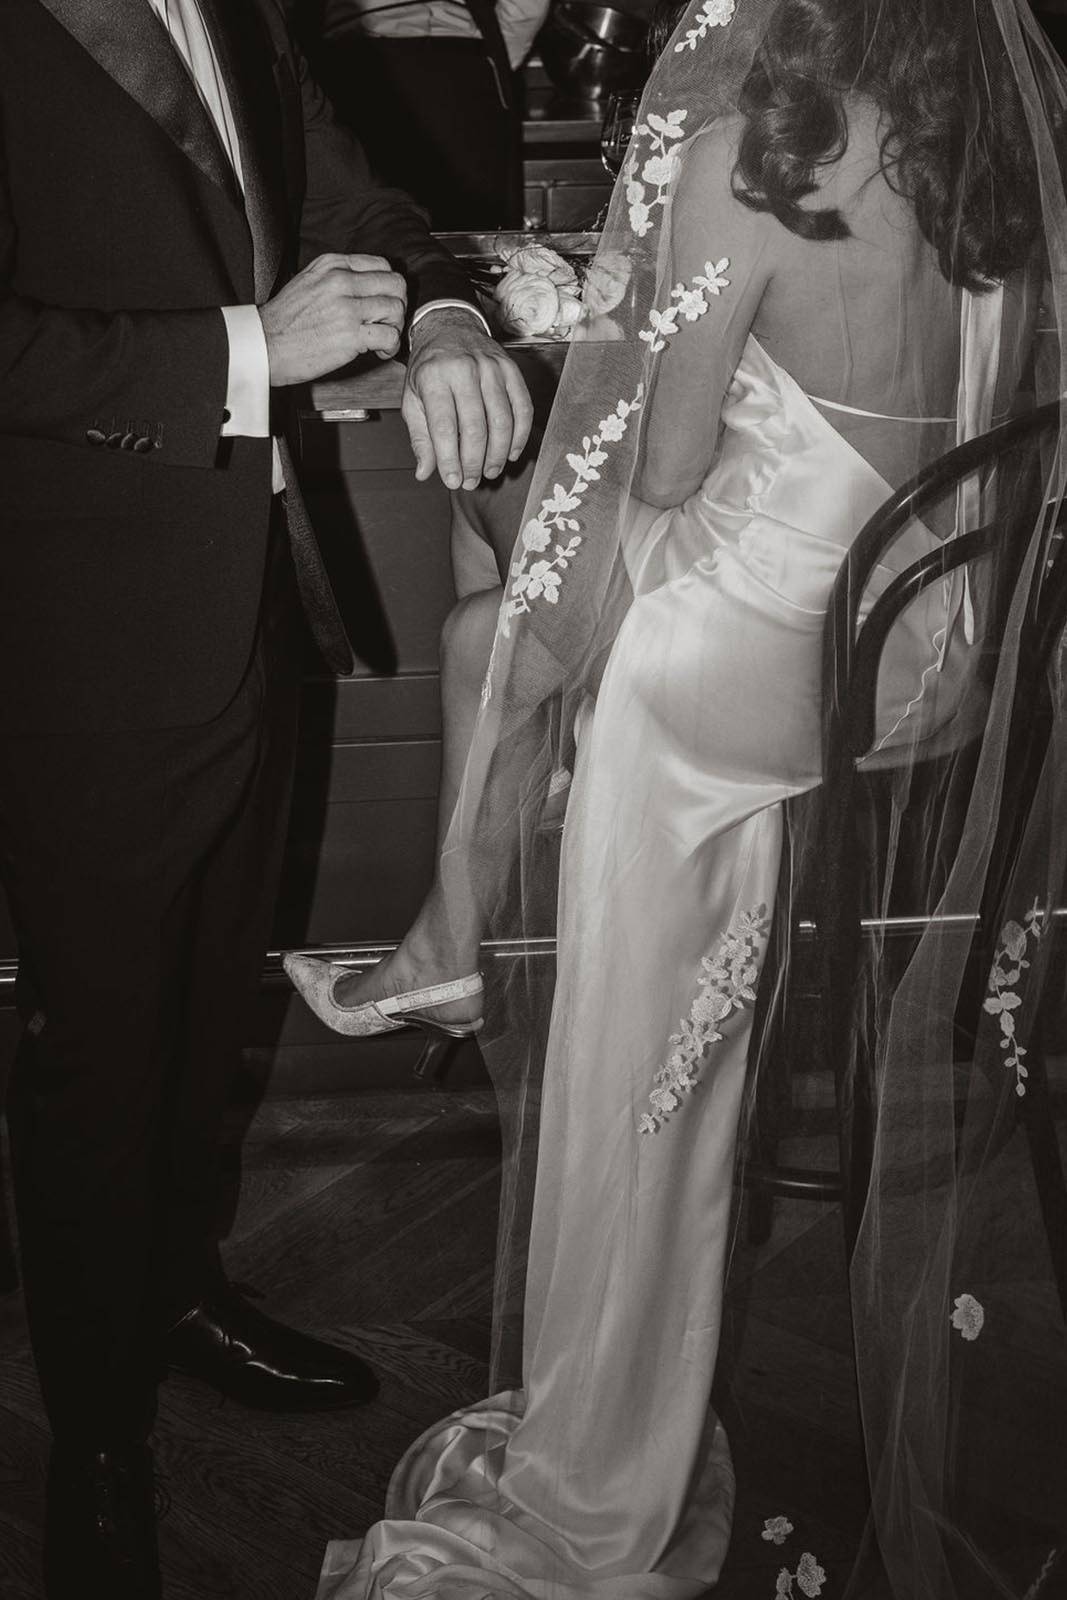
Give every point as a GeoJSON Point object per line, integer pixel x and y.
{"type": "Point", "coordinates": [132, 538]}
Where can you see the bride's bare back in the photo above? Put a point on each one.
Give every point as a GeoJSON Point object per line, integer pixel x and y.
{"type": "Point", "coordinates": [867, 322]}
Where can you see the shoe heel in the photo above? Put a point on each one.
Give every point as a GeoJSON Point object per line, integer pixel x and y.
{"type": "Point", "coordinates": [436, 1059]}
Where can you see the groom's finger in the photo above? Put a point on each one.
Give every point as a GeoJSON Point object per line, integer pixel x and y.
{"type": "Point", "coordinates": [423, 444]}
{"type": "Point", "coordinates": [473, 425]}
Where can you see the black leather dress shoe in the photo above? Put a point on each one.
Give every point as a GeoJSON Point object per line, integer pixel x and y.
{"type": "Point", "coordinates": [251, 1359]}
{"type": "Point", "coordinates": [100, 1525]}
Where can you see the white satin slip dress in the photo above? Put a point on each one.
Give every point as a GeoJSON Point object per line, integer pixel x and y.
{"type": "Point", "coordinates": [609, 1474]}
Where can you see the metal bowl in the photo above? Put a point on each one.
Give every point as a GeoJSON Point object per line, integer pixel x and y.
{"type": "Point", "coordinates": [590, 50]}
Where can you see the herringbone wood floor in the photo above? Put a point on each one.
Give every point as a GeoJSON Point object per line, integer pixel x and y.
{"type": "Point", "coordinates": [369, 1216]}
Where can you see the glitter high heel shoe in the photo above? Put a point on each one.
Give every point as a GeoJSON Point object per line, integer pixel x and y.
{"type": "Point", "coordinates": [316, 981]}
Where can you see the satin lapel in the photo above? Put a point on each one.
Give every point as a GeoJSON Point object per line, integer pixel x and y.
{"type": "Point", "coordinates": [128, 41]}
{"type": "Point", "coordinates": [246, 57]}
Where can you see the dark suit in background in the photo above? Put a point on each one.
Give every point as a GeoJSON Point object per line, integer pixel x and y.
{"type": "Point", "coordinates": [436, 113]}
{"type": "Point", "coordinates": [150, 636]}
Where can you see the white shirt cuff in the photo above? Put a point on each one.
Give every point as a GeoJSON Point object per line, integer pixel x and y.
{"type": "Point", "coordinates": [248, 381]}
{"type": "Point", "coordinates": [447, 305]}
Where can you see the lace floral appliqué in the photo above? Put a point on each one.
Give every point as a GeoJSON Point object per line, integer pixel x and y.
{"type": "Point", "coordinates": [727, 984]}
{"type": "Point", "coordinates": [555, 524]}
{"type": "Point", "coordinates": [968, 1317]}
{"type": "Point", "coordinates": [776, 1530]}
{"type": "Point", "coordinates": [809, 1578]}
{"type": "Point", "coordinates": [656, 170]}
{"type": "Point", "coordinates": [1003, 998]}
{"type": "Point", "coordinates": [543, 578]}
{"type": "Point", "coordinates": [712, 14]}
{"type": "Point", "coordinates": [689, 303]}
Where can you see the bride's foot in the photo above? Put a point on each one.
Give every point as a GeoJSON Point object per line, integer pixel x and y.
{"type": "Point", "coordinates": [403, 972]}
{"type": "Point", "coordinates": [400, 991]}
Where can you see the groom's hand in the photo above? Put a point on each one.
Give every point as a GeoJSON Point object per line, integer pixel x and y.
{"type": "Point", "coordinates": [337, 308]}
{"type": "Point", "coordinates": [466, 406]}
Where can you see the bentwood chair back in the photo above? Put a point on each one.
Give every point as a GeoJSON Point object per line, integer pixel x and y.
{"type": "Point", "coordinates": [832, 934]}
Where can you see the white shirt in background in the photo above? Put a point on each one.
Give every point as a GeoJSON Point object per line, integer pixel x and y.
{"type": "Point", "coordinates": [520, 21]}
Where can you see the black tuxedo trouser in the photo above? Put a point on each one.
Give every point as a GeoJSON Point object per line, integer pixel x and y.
{"type": "Point", "coordinates": [141, 870]}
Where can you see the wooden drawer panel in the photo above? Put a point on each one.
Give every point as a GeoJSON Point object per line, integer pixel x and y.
{"type": "Point", "coordinates": [355, 872]}
{"type": "Point", "coordinates": [364, 707]}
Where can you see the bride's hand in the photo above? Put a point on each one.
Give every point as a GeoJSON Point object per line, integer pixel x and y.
{"type": "Point", "coordinates": [465, 403]}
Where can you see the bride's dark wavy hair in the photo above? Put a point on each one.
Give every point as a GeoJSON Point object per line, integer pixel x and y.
{"type": "Point", "coordinates": [955, 141]}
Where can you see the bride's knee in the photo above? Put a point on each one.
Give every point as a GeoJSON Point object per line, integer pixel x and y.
{"type": "Point", "coordinates": [467, 634]}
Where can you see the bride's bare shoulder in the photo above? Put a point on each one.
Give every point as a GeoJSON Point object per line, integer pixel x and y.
{"type": "Point", "coordinates": [709, 164]}
{"type": "Point", "coordinates": [716, 145]}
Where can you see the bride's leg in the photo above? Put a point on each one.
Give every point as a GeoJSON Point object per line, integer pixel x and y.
{"type": "Point", "coordinates": [444, 938]}
{"type": "Point", "coordinates": [442, 942]}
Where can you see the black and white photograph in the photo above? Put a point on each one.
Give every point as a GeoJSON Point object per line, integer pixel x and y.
{"type": "Point", "coordinates": [533, 799]}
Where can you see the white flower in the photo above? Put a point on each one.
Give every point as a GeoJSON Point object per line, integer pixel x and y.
{"type": "Point", "coordinates": [560, 500]}
{"type": "Point", "coordinates": [605, 283]}
{"type": "Point", "coordinates": [810, 1575]}
{"type": "Point", "coordinates": [712, 14]}
{"type": "Point", "coordinates": [663, 1099]}
{"type": "Point", "coordinates": [660, 170]}
{"type": "Point", "coordinates": [995, 1004]}
{"type": "Point", "coordinates": [968, 1317]}
{"type": "Point", "coordinates": [662, 324]}
{"type": "Point", "coordinates": [538, 261]}
{"type": "Point", "coordinates": [535, 536]}
{"type": "Point", "coordinates": [570, 309]}
{"type": "Point", "coordinates": [784, 1586]}
{"type": "Point", "coordinates": [529, 303]}
{"type": "Point", "coordinates": [712, 278]}
{"type": "Point", "coordinates": [640, 219]}
{"type": "Point", "coordinates": [543, 579]}
{"type": "Point", "coordinates": [668, 127]}
{"type": "Point", "coordinates": [691, 303]}
{"type": "Point", "coordinates": [711, 1008]}
{"type": "Point", "coordinates": [612, 429]}
{"type": "Point", "coordinates": [776, 1529]}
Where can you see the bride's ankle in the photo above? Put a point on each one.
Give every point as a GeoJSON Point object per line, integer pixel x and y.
{"type": "Point", "coordinates": [404, 971]}
{"type": "Point", "coordinates": [437, 946]}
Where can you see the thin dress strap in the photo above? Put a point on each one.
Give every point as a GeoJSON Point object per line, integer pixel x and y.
{"type": "Point", "coordinates": [980, 318]}
{"type": "Point", "coordinates": [878, 416]}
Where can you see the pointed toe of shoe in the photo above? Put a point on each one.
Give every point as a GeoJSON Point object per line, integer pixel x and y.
{"type": "Point", "coordinates": [302, 969]}
{"type": "Point", "coordinates": [256, 1361]}
{"type": "Point", "coordinates": [313, 980]}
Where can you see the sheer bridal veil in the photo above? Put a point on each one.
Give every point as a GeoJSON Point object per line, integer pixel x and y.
{"type": "Point", "coordinates": [958, 1279]}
